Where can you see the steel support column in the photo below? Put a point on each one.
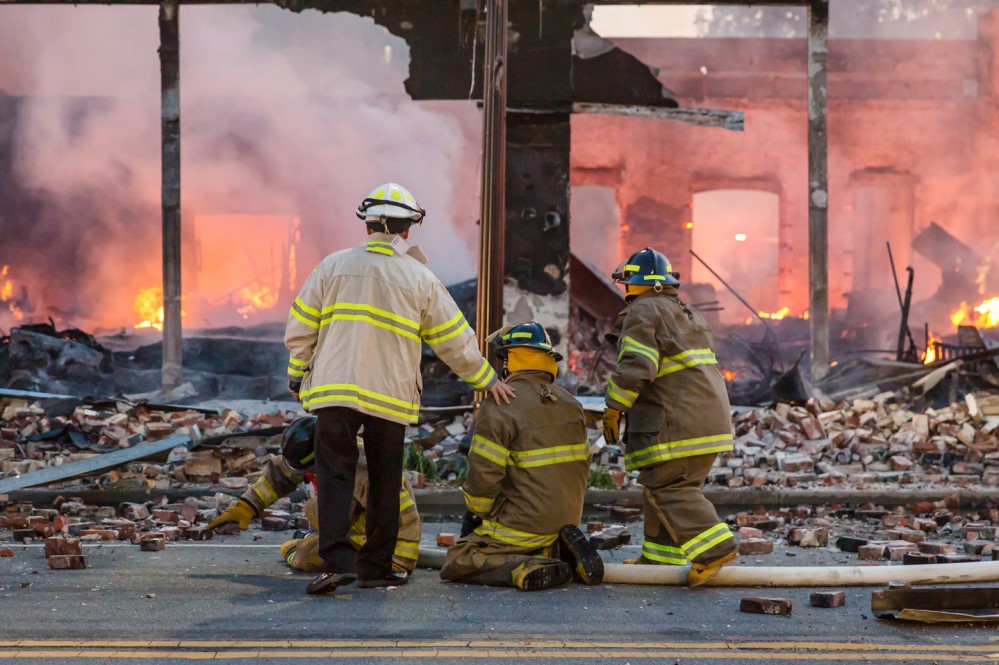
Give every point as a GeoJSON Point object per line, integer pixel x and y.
{"type": "Point", "coordinates": [170, 137]}
{"type": "Point", "coordinates": [489, 298]}
{"type": "Point", "coordinates": [818, 187]}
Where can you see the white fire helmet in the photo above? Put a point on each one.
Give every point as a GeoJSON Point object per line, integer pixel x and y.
{"type": "Point", "coordinates": [390, 201]}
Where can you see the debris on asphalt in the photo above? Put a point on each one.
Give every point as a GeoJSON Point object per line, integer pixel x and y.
{"type": "Point", "coordinates": [935, 605]}
{"type": "Point", "coordinates": [827, 599]}
{"type": "Point", "coordinates": [765, 605]}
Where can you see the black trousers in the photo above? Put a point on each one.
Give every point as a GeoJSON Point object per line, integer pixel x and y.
{"type": "Point", "coordinates": [336, 464]}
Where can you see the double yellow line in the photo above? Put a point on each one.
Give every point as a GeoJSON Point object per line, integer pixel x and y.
{"type": "Point", "coordinates": [505, 649]}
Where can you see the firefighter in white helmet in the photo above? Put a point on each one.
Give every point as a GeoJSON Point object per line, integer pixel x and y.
{"type": "Point", "coordinates": [355, 335]}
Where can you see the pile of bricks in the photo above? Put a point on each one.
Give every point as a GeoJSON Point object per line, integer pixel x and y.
{"type": "Point", "coordinates": [928, 532]}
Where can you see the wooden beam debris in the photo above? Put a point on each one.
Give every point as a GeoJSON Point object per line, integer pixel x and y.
{"type": "Point", "coordinates": [91, 465]}
{"type": "Point", "coordinates": [731, 120]}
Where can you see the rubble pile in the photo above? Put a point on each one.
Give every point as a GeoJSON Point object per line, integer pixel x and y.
{"type": "Point", "coordinates": [33, 438]}
{"type": "Point", "coordinates": [927, 532]}
{"type": "Point", "coordinates": [856, 443]}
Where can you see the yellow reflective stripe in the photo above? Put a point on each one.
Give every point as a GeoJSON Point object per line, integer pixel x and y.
{"type": "Point", "coordinates": [407, 549]}
{"type": "Point", "coordinates": [380, 243]}
{"type": "Point", "coordinates": [686, 360]}
{"type": "Point", "coordinates": [527, 459]}
{"type": "Point", "coordinates": [628, 344]}
{"type": "Point", "coordinates": [485, 371]}
{"type": "Point", "coordinates": [306, 309]}
{"type": "Point", "coordinates": [622, 395]}
{"type": "Point", "coordinates": [384, 313]}
{"type": "Point", "coordinates": [380, 248]}
{"type": "Point", "coordinates": [405, 501]}
{"type": "Point", "coordinates": [361, 391]}
{"type": "Point", "coordinates": [663, 554]}
{"type": "Point", "coordinates": [262, 488]}
{"type": "Point", "coordinates": [359, 538]}
{"type": "Point", "coordinates": [707, 539]}
{"type": "Point", "coordinates": [668, 450]}
{"type": "Point", "coordinates": [295, 372]}
{"type": "Point", "coordinates": [444, 326]}
{"type": "Point", "coordinates": [295, 362]}
{"type": "Point", "coordinates": [454, 333]}
{"type": "Point", "coordinates": [490, 529]}
{"type": "Point", "coordinates": [349, 399]}
{"type": "Point", "coordinates": [632, 266]}
{"type": "Point", "coordinates": [490, 450]}
{"type": "Point", "coordinates": [478, 504]}
{"type": "Point", "coordinates": [311, 324]}
{"type": "Point", "coordinates": [375, 322]}
{"type": "Point", "coordinates": [689, 352]}
{"type": "Point", "coordinates": [521, 335]}
{"type": "Point", "coordinates": [649, 278]}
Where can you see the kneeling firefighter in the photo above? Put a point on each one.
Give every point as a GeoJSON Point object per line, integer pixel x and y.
{"type": "Point", "coordinates": [668, 382]}
{"type": "Point", "coordinates": [528, 468]}
{"type": "Point", "coordinates": [283, 475]}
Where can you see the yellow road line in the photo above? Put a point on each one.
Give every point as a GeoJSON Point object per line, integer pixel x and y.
{"type": "Point", "coordinates": [488, 644]}
{"type": "Point", "coordinates": [494, 653]}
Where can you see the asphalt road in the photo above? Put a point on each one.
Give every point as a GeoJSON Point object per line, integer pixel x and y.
{"type": "Point", "coordinates": [234, 599]}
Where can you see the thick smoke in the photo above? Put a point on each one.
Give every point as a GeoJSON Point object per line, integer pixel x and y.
{"type": "Point", "coordinates": [281, 114]}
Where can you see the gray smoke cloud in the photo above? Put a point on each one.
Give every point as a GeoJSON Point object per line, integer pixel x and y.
{"type": "Point", "coordinates": [282, 114]}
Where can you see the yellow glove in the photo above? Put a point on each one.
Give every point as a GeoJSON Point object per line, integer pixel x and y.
{"type": "Point", "coordinates": [241, 512]}
{"type": "Point", "coordinates": [612, 425]}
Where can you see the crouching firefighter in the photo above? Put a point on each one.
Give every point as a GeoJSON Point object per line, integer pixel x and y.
{"type": "Point", "coordinates": [528, 468]}
{"type": "Point", "coordinates": [668, 382]}
{"type": "Point", "coordinates": [283, 475]}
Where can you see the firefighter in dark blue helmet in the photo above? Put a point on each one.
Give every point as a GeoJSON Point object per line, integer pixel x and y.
{"type": "Point", "coordinates": [668, 383]}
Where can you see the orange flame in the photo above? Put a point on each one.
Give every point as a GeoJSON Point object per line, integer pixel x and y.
{"type": "Point", "coordinates": [930, 356]}
{"type": "Point", "coordinates": [983, 315]}
{"type": "Point", "coordinates": [256, 298]}
{"type": "Point", "coordinates": [7, 293]}
{"type": "Point", "coordinates": [148, 304]}
{"type": "Point", "coordinates": [729, 374]}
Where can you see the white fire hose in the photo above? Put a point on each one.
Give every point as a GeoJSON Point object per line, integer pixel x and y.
{"type": "Point", "coordinates": [784, 576]}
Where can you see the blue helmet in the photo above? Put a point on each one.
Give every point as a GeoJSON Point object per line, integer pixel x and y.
{"type": "Point", "coordinates": [526, 336]}
{"type": "Point", "coordinates": [646, 268]}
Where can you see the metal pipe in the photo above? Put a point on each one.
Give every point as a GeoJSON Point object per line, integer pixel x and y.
{"type": "Point", "coordinates": [818, 188]}
{"type": "Point", "coordinates": [489, 291]}
{"type": "Point", "coordinates": [169, 20]}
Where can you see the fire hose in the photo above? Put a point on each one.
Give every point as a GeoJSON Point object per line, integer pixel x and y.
{"type": "Point", "coordinates": [784, 576]}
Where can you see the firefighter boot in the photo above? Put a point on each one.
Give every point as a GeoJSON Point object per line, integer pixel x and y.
{"type": "Point", "coordinates": [535, 576]}
{"type": "Point", "coordinates": [702, 572]}
{"type": "Point", "coordinates": [581, 555]}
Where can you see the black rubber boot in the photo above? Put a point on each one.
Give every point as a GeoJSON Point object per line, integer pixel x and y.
{"type": "Point", "coordinates": [392, 579]}
{"type": "Point", "coordinates": [543, 576]}
{"type": "Point", "coordinates": [581, 555]}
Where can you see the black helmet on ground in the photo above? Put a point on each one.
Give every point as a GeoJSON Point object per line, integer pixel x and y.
{"type": "Point", "coordinates": [299, 444]}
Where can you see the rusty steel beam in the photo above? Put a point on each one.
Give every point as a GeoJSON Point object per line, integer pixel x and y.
{"type": "Point", "coordinates": [492, 218]}
{"type": "Point", "coordinates": [170, 136]}
{"type": "Point", "coordinates": [818, 187]}
{"type": "Point", "coordinates": [732, 120]}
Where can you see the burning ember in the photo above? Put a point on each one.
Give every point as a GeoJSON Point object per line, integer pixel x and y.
{"type": "Point", "coordinates": [729, 374]}
{"type": "Point", "coordinates": [776, 316]}
{"type": "Point", "coordinates": [984, 315]}
{"type": "Point", "coordinates": [7, 293]}
{"type": "Point", "coordinates": [256, 299]}
{"type": "Point", "coordinates": [148, 304]}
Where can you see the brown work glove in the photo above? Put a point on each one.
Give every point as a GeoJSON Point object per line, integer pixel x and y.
{"type": "Point", "coordinates": [241, 512]}
{"type": "Point", "coordinates": [612, 425]}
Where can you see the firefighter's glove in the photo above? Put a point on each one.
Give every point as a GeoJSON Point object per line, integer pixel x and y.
{"type": "Point", "coordinates": [242, 512]}
{"type": "Point", "coordinates": [612, 425]}
{"type": "Point", "coordinates": [294, 387]}
{"type": "Point", "coordinates": [469, 523]}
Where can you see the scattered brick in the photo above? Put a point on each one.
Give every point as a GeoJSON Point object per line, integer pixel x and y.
{"type": "Point", "coordinates": [827, 599]}
{"type": "Point", "coordinates": [102, 534]}
{"type": "Point", "coordinates": [979, 547]}
{"type": "Point", "coordinates": [850, 543]}
{"type": "Point", "coordinates": [814, 537]}
{"type": "Point", "coordinates": [68, 562]}
{"type": "Point", "coordinates": [198, 533]}
{"type": "Point", "coordinates": [152, 544]}
{"type": "Point", "coordinates": [936, 547]}
{"type": "Point", "coordinates": [956, 558]}
{"type": "Point", "coordinates": [871, 552]}
{"type": "Point", "coordinates": [134, 511]}
{"type": "Point", "coordinates": [6, 553]}
{"type": "Point", "coordinates": [445, 540]}
{"type": "Point", "coordinates": [751, 546]}
{"type": "Point", "coordinates": [275, 524]}
{"type": "Point", "coordinates": [918, 559]}
{"type": "Point", "coordinates": [593, 527]}
{"type": "Point", "coordinates": [765, 605]}
{"type": "Point", "coordinates": [229, 529]}
{"type": "Point", "coordinates": [56, 546]}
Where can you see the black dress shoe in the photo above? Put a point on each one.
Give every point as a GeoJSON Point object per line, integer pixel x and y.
{"type": "Point", "coordinates": [392, 579]}
{"type": "Point", "coordinates": [328, 582]}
